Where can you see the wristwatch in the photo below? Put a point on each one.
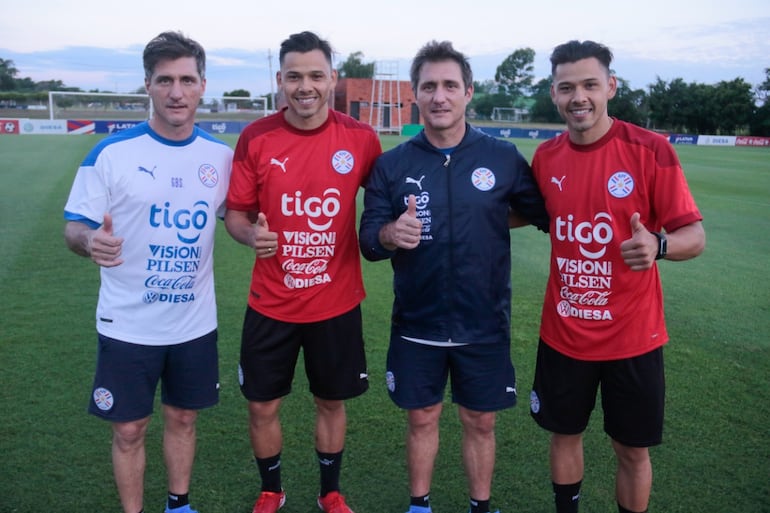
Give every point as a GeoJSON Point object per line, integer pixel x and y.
{"type": "Point", "coordinates": [662, 245]}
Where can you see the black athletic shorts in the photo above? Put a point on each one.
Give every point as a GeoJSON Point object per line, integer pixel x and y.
{"type": "Point", "coordinates": [333, 351]}
{"type": "Point", "coordinates": [632, 390]}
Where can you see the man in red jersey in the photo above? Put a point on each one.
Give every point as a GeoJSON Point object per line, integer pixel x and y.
{"type": "Point", "coordinates": [292, 199]}
{"type": "Point", "coordinates": [610, 189]}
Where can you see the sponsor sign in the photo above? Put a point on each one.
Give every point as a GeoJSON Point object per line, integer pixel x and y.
{"type": "Point", "coordinates": [80, 126]}
{"type": "Point", "coordinates": [9, 126]}
{"type": "Point", "coordinates": [716, 140]}
{"type": "Point", "coordinates": [752, 141]}
{"type": "Point", "coordinates": [683, 139]}
{"type": "Point", "coordinates": [42, 126]}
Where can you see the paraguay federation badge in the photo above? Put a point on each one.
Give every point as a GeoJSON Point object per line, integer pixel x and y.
{"type": "Point", "coordinates": [343, 161]}
{"type": "Point", "coordinates": [103, 399]}
{"type": "Point", "coordinates": [620, 184]}
{"type": "Point", "coordinates": [483, 179]}
{"type": "Point", "coordinates": [208, 175]}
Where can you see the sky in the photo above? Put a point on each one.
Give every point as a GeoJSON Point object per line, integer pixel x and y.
{"type": "Point", "coordinates": [98, 45]}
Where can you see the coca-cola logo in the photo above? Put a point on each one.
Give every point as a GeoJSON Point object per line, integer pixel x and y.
{"type": "Point", "coordinates": [178, 283]}
{"type": "Point", "coordinates": [589, 298]}
{"type": "Point", "coordinates": [316, 266]}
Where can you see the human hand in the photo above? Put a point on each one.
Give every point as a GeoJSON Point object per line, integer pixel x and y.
{"type": "Point", "coordinates": [265, 241]}
{"type": "Point", "coordinates": [405, 231]}
{"type": "Point", "coordinates": [640, 250]}
{"type": "Point", "coordinates": [102, 245]}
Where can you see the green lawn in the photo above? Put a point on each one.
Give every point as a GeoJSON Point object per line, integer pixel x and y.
{"type": "Point", "coordinates": [56, 457]}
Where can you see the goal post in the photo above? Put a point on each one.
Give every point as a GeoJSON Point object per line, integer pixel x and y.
{"type": "Point", "coordinates": [82, 105]}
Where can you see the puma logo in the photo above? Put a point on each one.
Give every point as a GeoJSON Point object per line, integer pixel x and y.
{"type": "Point", "coordinates": [418, 183]}
{"type": "Point", "coordinates": [150, 172]}
{"type": "Point", "coordinates": [558, 182]}
{"type": "Point", "coordinates": [280, 164]}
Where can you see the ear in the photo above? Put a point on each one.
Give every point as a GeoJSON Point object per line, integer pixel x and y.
{"type": "Point", "coordinates": [613, 87]}
{"type": "Point", "coordinates": [553, 93]}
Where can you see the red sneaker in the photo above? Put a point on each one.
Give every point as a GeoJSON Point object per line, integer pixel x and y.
{"type": "Point", "coordinates": [269, 502]}
{"type": "Point", "coordinates": [333, 502]}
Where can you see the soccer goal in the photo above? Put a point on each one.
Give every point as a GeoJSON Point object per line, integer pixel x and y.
{"type": "Point", "coordinates": [506, 114]}
{"type": "Point", "coordinates": [80, 105]}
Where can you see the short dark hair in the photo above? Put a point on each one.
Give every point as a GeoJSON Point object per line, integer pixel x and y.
{"type": "Point", "coordinates": [172, 46]}
{"type": "Point", "coordinates": [436, 52]}
{"type": "Point", "coordinates": [304, 42]}
{"type": "Point", "coordinates": [573, 51]}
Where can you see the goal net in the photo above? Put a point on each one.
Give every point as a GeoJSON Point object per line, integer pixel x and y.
{"type": "Point", "coordinates": [506, 114]}
{"type": "Point", "coordinates": [116, 106]}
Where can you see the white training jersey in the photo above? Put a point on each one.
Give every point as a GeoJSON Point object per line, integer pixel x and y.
{"type": "Point", "coordinates": [164, 197]}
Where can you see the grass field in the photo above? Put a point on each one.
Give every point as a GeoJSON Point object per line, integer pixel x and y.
{"type": "Point", "coordinates": [55, 457]}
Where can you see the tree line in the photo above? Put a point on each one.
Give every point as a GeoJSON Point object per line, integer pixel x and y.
{"type": "Point", "coordinates": [731, 107]}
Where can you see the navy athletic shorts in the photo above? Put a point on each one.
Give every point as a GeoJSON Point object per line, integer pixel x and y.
{"type": "Point", "coordinates": [127, 377]}
{"type": "Point", "coordinates": [482, 375]}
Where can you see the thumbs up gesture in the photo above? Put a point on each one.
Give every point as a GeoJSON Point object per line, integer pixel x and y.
{"type": "Point", "coordinates": [265, 241]}
{"type": "Point", "coordinates": [405, 231]}
{"type": "Point", "coordinates": [640, 250]}
{"type": "Point", "coordinates": [105, 249]}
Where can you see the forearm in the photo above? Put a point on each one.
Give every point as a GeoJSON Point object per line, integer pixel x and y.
{"type": "Point", "coordinates": [686, 242]}
{"type": "Point", "coordinates": [240, 227]}
{"type": "Point", "coordinates": [78, 238]}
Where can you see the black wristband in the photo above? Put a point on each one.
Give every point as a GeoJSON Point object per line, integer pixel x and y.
{"type": "Point", "coordinates": [662, 245]}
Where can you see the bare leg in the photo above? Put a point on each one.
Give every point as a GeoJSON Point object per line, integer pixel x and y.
{"type": "Point", "coordinates": [566, 458]}
{"type": "Point", "coordinates": [422, 441]}
{"type": "Point", "coordinates": [478, 451]}
{"type": "Point", "coordinates": [128, 462]}
{"type": "Point", "coordinates": [179, 447]}
{"type": "Point", "coordinates": [633, 481]}
{"type": "Point", "coordinates": [331, 425]}
{"type": "Point", "coordinates": [265, 428]}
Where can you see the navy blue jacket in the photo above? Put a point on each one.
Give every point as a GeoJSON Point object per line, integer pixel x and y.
{"type": "Point", "coordinates": [456, 284]}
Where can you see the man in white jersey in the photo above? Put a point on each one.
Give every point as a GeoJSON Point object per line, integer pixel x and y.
{"type": "Point", "coordinates": [143, 207]}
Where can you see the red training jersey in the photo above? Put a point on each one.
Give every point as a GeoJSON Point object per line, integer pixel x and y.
{"type": "Point", "coordinates": [305, 182]}
{"type": "Point", "coordinates": [595, 307]}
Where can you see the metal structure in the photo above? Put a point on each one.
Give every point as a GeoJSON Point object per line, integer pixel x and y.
{"type": "Point", "coordinates": [385, 107]}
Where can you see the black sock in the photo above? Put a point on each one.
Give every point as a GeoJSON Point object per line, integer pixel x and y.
{"type": "Point", "coordinates": [423, 502]}
{"type": "Point", "coordinates": [566, 497]}
{"type": "Point", "coordinates": [330, 464]}
{"type": "Point", "coordinates": [621, 509]}
{"type": "Point", "coordinates": [177, 500]}
{"type": "Point", "coordinates": [270, 473]}
{"type": "Point", "coordinates": [479, 506]}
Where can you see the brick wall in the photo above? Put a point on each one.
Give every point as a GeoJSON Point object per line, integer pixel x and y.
{"type": "Point", "coordinates": [352, 91]}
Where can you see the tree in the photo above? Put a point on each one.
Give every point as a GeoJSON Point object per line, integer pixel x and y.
{"type": "Point", "coordinates": [8, 74]}
{"type": "Point", "coordinates": [733, 105]}
{"type": "Point", "coordinates": [763, 89]}
{"type": "Point", "coordinates": [628, 104]}
{"type": "Point", "coordinates": [354, 67]}
{"type": "Point", "coordinates": [543, 110]}
{"type": "Point", "coordinates": [515, 74]}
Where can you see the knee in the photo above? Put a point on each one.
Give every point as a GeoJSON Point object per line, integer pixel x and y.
{"type": "Point", "coordinates": [129, 435]}
{"type": "Point", "coordinates": [479, 422]}
{"type": "Point", "coordinates": [631, 456]}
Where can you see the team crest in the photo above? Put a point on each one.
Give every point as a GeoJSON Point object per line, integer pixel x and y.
{"type": "Point", "coordinates": [103, 399]}
{"type": "Point", "coordinates": [620, 184]}
{"type": "Point", "coordinates": [390, 381]}
{"type": "Point", "coordinates": [483, 179]}
{"type": "Point", "coordinates": [208, 175]}
{"type": "Point", "coordinates": [343, 161]}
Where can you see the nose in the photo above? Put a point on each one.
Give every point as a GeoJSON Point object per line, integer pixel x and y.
{"type": "Point", "coordinates": [176, 89]}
